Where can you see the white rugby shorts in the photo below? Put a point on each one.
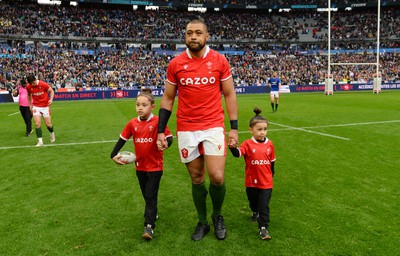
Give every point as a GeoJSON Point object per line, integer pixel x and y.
{"type": "Point", "coordinates": [275, 94]}
{"type": "Point", "coordinates": [41, 111]}
{"type": "Point", "coordinates": [210, 142]}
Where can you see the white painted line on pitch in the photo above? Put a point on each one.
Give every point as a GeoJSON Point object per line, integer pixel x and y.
{"type": "Point", "coordinates": [337, 125]}
{"type": "Point", "coordinates": [304, 130]}
{"type": "Point", "coordinates": [287, 128]}
{"type": "Point", "coordinates": [62, 144]}
{"type": "Point", "coordinates": [353, 124]}
{"type": "Point", "coordinates": [13, 114]}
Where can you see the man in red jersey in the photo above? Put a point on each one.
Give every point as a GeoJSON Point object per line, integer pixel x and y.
{"type": "Point", "coordinates": [201, 75]}
{"type": "Point", "coordinates": [40, 97]}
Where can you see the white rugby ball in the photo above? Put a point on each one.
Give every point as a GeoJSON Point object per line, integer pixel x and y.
{"type": "Point", "coordinates": [127, 156]}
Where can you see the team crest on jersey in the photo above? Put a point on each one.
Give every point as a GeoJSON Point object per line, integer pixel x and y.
{"type": "Point", "coordinates": [268, 150]}
{"type": "Point", "coordinates": [254, 150]}
{"type": "Point", "coordinates": [219, 147]}
{"type": "Point", "coordinates": [209, 66]}
{"type": "Point", "coordinates": [151, 128]}
{"type": "Point", "coordinates": [185, 66]}
{"type": "Point", "coordinates": [135, 128]}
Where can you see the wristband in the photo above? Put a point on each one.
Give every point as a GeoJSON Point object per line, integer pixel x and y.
{"type": "Point", "coordinates": [234, 124]}
{"type": "Point", "coordinates": [163, 117]}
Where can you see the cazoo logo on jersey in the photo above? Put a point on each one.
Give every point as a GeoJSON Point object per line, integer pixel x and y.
{"type": "Point", "coordinates": [143, 140]}
{"type": "Point", "coordinates": [198, 80]}
{"type": "Point", "coordinates": [260, 162]}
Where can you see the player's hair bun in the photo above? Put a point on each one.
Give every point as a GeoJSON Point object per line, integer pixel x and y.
{"type": "Point", "coordinates": [257, 111]}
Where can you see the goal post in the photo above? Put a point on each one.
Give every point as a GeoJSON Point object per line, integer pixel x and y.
{"type": "Point", "coordinates": [377, 83]}
{"type": "Point", "coordinates": [328, 84]}
{"type": "Point", "coordinates": [377, 75]}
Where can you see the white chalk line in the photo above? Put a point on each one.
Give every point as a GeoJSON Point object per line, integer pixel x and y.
{"type": "Point", "coordinates": [287, 127]}
{"type": "Point", "coordinates": [12, 114]}
{"type": "Point", "coordinates": [339, 125]}
{"type": "Point", "coordinates": [309, 131]}
{"type": "Point", "coordinates": [305, 129]}
{"type": "Point", "coordinates": [61, 144]}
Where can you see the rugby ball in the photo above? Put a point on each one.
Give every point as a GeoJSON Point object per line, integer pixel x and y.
{"type": "Point", "coordinates": [127, 156]}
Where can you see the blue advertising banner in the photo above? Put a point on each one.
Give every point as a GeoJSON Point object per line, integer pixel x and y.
{"type": "Point", "coordinates": [119, 94]}
{"type": "Point", "coordinates": [102, 93]}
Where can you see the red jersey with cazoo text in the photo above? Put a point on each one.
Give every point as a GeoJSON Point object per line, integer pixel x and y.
{"type": "Point", "coordinates": [40, 94]}
{"type": "Point", "coordinates": [198, 82]}
{"type": "Point", "coordinates": [144, 133]}
{"type": "Point", "coordinates": [258, 157]}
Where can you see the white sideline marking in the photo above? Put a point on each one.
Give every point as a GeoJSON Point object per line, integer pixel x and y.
{"type": "Point", "coordinates": [309, 131]}
{"type": "Point", "coordinates": [13, 114]}
{"type": "Point", "coordinates": [61, 144]}
{"type": "Point", "coordinates": [287, 128]}
{"type": "Point", "coordinates": [339, 125]}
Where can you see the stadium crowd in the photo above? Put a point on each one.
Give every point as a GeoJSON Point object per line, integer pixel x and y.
{"type": "Point", "coordinates": [139, 67]}
{"type": "Point", "coordinates": [279, 2]}
{"type": "Point", "coordinates": [62, 65]}
{"type": "Point", "coordinates": [120, 23]}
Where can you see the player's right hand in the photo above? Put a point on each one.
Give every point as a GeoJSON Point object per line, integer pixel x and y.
{"type": "Point", "coordinates": [117, 159]}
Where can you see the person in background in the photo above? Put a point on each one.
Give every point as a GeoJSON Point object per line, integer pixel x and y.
{"type": "Point", "coordinates": [201, 75]}
{"type": "Point", "coordinates": [26, 113]}
{"type": "Point", "coordinates": [40, 97]}
{"type": "Point", "coordinates": [259, 156]}
{"type": "Point", "coordinates": [149, 160]}
{"type": "Point", "coordinates": [275, 85]}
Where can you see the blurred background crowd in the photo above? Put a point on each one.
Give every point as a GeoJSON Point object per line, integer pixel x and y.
{"type": "Point", "coordinates": [69, 46]}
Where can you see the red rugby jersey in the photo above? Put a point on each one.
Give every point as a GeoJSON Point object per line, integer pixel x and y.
{"type": "Point", "coordinates": [258, 157]}
{"type": "Point", "coordinates": [40, 95]}
{"type": "Point", "coordinates": [198, 82]}
{"type": "Point", "coordinates": [144, 133]}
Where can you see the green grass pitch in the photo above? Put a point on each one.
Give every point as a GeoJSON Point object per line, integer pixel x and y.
{"type": "Point", "coordinates": [336, 184]}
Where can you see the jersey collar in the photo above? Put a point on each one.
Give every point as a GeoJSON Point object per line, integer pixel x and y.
{"type": "Point", "coordinates": [265, 142]}
{"type": "Point", "coordinates": [205, 53]}
{"type": "Point", "coordinates": [148, 119]}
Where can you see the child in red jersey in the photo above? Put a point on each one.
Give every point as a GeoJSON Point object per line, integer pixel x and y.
{"type": "Point", "coordinates": [259, 155]}
{"type": "Point", "coordinates": [149, 160]}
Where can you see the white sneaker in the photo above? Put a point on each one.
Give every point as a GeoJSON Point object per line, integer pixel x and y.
{"type": "Point", "coordinates": [52, 137]}
{"type": "Point", "coordinates": [39, 144]}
